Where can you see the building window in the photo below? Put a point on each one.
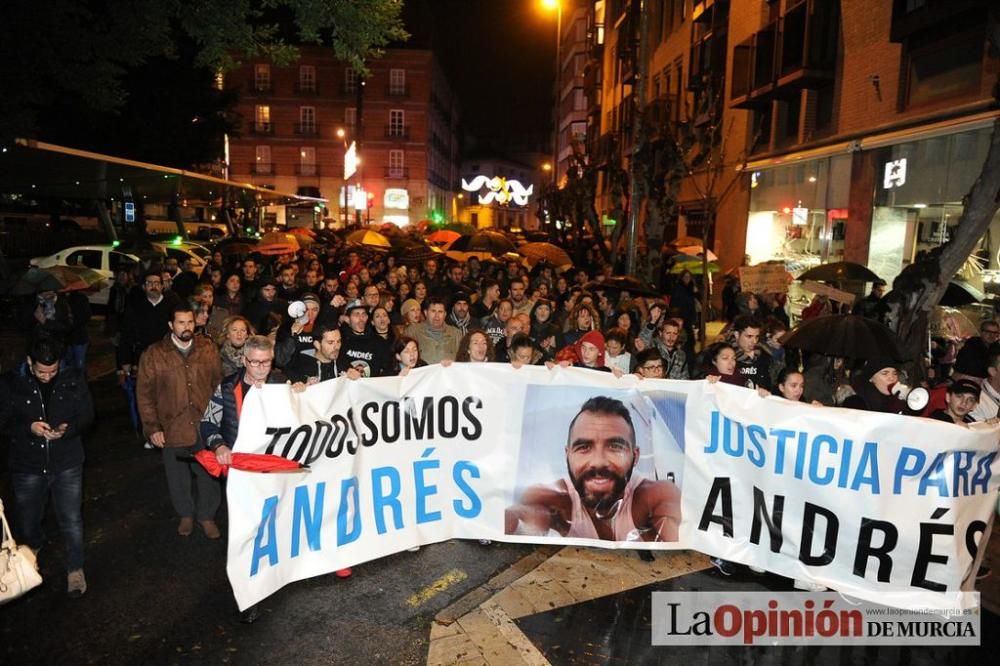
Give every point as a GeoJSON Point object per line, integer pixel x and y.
{"type": "Point", "coordinates": [396, 162]}
{"type": "Point", "coordinates": [474, 219]}
{"type": "Point", "coordinates": [262, 119]}
{"type": "Point", "coordinates": [307, 120]}
{"type": "Point", "coordinates": [262, 165]}
{"type": "Point", "coordinates": [944, 69]}
{"type": "Point", "coordinates": [262, 78]}
{"type": "Point", "coordinates": [350, 118]}
{"type": "Point", "coordinates": [397, 81]}
{"type": "Point", "coordinates": [350, 81]}
{"type": "Point", "coordinates": [307, 161]}
{"type": "Point", "coordinates": [397, 124]}
{"type": "Point", "coordinates": [307, 78]}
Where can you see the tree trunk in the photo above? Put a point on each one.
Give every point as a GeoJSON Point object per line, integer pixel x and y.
{"type": "Point", "coordinates": [920, 286]}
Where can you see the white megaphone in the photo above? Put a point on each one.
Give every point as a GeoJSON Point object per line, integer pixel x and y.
{"type": "Point", "coordinates": [916, 398]}
{"type": "Point", "coordinates": [297, 311]}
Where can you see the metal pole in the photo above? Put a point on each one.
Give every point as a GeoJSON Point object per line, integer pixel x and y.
{"type": "Point", "coordinates": [638, 137]}
{"type": "Point", "coordinates": [555, 138]}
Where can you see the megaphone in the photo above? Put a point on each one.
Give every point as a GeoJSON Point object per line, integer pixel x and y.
{"type": "Point", "coordinates": [916, 398]}
{"type": "Point", "coordinates": [297, 311]}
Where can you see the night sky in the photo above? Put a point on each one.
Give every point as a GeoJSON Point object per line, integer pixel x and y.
{"type": "Point", "coordinates": [499, 56]}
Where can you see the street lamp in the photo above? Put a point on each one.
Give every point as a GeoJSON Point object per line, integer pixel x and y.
{"type": "Point", "coordinates": [556, 5]}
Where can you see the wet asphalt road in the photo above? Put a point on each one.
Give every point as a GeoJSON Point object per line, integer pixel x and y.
{"type": "Point", "coordinates": [155, 597]}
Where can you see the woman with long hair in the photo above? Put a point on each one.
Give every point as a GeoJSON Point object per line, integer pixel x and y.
{"type": "Point", "coordinates": [406, 355]}
{"type": "Point", "coordinates": [230, 296]}
{"type": "Point", "coordinates": [235, 332]}
{"type": "Point", "coordinates": [382, 324]}
{"type": "Point", "coordinates": [476, 347]}
{"type": "Point", "coordinates": [582, 320]}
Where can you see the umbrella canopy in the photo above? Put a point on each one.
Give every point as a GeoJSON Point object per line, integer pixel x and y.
{"type": "Point", "coordinates": [238, 247]}
{"type": "Point", "coordinates": [696, 251]}
{"type": "Point", "coordinates": [694, 267]}
{"type": "Point", "coordinates": [413, 252]}
{"type": "Point", "coordinates": [369, 238]}
{"type": "Point", "coordinates": [248, 462]}
{"type": "Point", "coordinates": [491, 242]}
{"type": "Point", "coordinates": [443, 236]}
{"type": "Point", "coordinates": [276, 242]}
{"type": "Point", "coordinates": [622, 283]}
{"type": "Point", "coordinates": [849, 336]}
{"type": "Point", "coordinates": [303, 231]}
{"type": "Point", "coordinates": [547, 252]}
{"type": "Point", "coordinates": [56, 278]}
{"type": "Point", "coordinates": [960, 292]}
{"type": "Point", "coordinates": [951, 323]}
{"type": "Point", "coordinates": [840, 271]}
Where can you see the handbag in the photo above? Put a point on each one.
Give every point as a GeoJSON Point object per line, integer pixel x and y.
{"type": "Point", "coordinates": [18, 567]}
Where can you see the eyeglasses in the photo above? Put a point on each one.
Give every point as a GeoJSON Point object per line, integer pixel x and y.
{"type": "Point", "coordinates": [254, 363]}
{"type": "Point", "coordinates": [153, 283]}
{"type": "Point", "coordinates": [991, 331]}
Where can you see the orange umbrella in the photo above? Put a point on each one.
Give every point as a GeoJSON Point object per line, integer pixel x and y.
{"type": "Point", "coordinates": [369, 238]}
{"type": "Point", "coordinates": [443, 236]}
{"type": "Point", "coordinates": [304, 231]}
{"type": "Point", "coordinates": [277, 242]}
{"type": "Point", "coordinates": [547, 252]}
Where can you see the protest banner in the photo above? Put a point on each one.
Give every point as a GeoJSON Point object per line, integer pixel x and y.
{"type": "Point", "coordinates": [764, 279]}
{"type": "Point", "coordinates": [865, 503]}
{"type": "Point", "coordinates": [832, 293]}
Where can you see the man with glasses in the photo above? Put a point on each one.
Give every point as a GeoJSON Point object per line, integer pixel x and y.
{"type": "Point", "coordinates": [43, 409]}
{"type": "Point", "coordinates": [649, 364]}
{"type": "Point", "coordinates": [144, 321]}
{"type": "Point", "coordinates": [176, 378]}
{"type": "Point", "coordinates": [220, 424]}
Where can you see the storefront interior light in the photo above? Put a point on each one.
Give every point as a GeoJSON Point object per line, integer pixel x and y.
{"type": "Point", "coordinates": [812, 179]}
{"type": "Point", "coordinates": [920, 205]}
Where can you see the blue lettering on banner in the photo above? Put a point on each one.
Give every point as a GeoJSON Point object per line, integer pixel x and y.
{"type": "Point", "coordinates": [825, 460]}
{"type": "Point", "coordinates": [348, 491]}
{"type": "Point", "coordinates": [382, 500]}
{"type": "Point", "coordinates": [425, 490]}
{"type": "Point", "coordinates": [267, 523]}
{"type": "Point", "coordinates": [309, 516]}
{"type": "Point", "coordinates": [475, 504]}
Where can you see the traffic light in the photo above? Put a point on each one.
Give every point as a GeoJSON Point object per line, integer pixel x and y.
{"type": "Point", "coordinates": [371, 200]}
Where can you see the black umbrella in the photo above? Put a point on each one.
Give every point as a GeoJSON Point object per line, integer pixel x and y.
{"type": "Point", "coordinates": [849, 336]}
{"type": "Point", "coordinates": [622, 283]}
{"type": "Point", "coordinates": [841, 271]}
{"type": "Point", "coordinates": [482, 241]}
{"type": "Point", "coordinates": [960, 292]}
{"type": "Point", "coordinates": [411, 253]}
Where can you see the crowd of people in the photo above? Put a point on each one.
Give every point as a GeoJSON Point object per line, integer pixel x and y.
{"type": "Point", "coordinates": [190, 346]}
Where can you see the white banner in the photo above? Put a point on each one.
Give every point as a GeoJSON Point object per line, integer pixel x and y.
{"type": "Point", "coordinates": [864, 503]}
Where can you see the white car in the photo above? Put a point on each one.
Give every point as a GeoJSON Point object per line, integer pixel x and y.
{"type": "Point", "coordinates": [105, 259]}
{"type": "Point", "coordinates": [198, 254]}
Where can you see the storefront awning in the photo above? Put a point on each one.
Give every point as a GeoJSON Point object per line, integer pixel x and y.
{"type": "Point", "coordinates": [37, 169]}
{"type": "Point", "coordinates": [879, 140]}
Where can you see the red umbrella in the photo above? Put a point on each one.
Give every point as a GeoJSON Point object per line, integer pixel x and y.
{"type": "Point", "coordinates": [248, 462]}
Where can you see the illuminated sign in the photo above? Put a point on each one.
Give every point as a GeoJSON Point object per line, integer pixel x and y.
{"type": "Point", "coordinates": [396, 198]}
{"type": "Point", "coordinates": [800, 215]}
{"type": "Point", "coordinates": [129, 211]}
{"type": "Point", "coordinates": [360, 199]}
{"type": "Point", "coordinates": [351, 160]}
{"type": "Point", "coordinates": [498, 189]}
{"type": "Point", "coordinates": [895, 174]}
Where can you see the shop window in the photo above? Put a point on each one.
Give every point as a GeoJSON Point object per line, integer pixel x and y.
{"type": "Point", "coordinates": [943, 69]}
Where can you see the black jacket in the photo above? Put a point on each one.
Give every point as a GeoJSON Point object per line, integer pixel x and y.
{"type": "Point", "coordinates": [21, 405]}
{"type": "Point", "coordinates": [143, 324]}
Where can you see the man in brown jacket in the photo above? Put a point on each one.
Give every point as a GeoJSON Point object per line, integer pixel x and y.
{"type": "Point", "coordinates": [177, 376]}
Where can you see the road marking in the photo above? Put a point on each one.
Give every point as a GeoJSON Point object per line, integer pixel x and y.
{"type": "Point", "coordinates": [437, 587]}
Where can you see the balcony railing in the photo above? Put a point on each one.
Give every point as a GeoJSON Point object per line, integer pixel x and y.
{"type": "Point", "coordinates": [396, 173]}
{"type": "Point", "coordinates": [261, 88]}
{"type": "Point", "coordinates": [663, 113]}
{"type": "Point", "coordinates": [397, 91]}
{"type": "Point", "coordinates": [397, 131]}
{"type": "Point", "coordinates": [261, 127]}
{"type": "Point", "coordinates": [262, 168]}
{"type": "Point", "coordinates": [306, 89]}
{"type": "Point", "coordinates": [306, 129]}
{"type": "Point", "coordinates": [303, 169]}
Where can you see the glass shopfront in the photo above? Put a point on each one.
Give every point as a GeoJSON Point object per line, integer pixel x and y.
{"type": "Point", "coordinates": [918, 201]}
{"type": "Point", "coordinates": [798, 212]}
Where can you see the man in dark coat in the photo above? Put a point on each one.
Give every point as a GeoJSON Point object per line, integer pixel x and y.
{"type": "Point", "coordinates": [44, 408]}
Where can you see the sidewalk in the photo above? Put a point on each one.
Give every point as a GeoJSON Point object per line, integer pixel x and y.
{"type": "Point", "coordinates": [590, 605]}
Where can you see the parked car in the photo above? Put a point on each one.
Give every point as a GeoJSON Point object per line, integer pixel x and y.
{"type": "Point", "coordinates": [106, 259]}
{"type": "Point", "coordinates": [198, 254]}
